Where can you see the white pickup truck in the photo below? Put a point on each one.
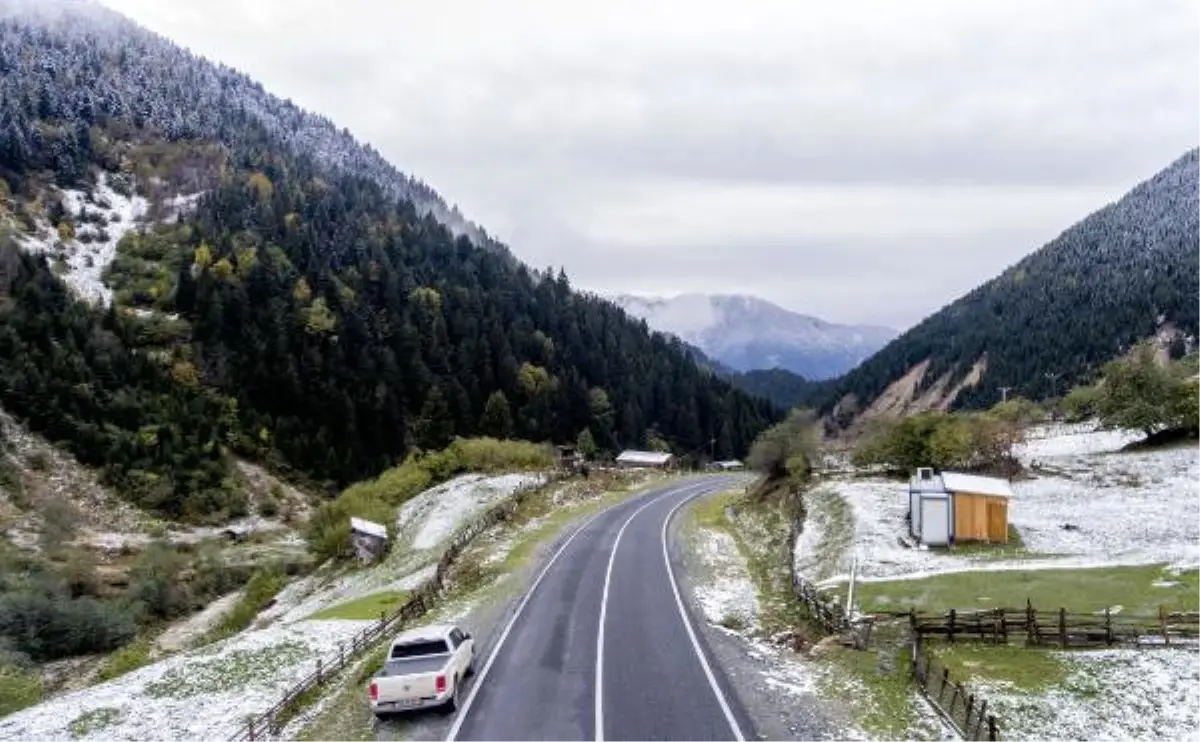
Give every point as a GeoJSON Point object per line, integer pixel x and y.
{"type": "Point", "coordinates": [424, 668]}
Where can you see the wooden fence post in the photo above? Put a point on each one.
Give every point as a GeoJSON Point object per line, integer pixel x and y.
{"type": "Point", "coordinates": [1062, 626]}
{"type": "Point", "coordinates": [967, 717]}
{"type": "Point", "coordinates": [982, 718]}
{"type": "Point", "coordinates": [945, 682]}
{"type": "Point", "coordinates": [1030, 623]}
{"type": "Point", "coordinates": [250, 729]}
{"type": "Point", "coordinates": [1162, 624]}
{"type": "Point", "coordinates": [950, 627]}
{"type": "Point", "coordinates": [320, 679]}
{"type": "Point", "coordinates": [1003, 625]}
{"type": "Point", "coordinates": [1108, 636]}
{"type": "Point", "coordinates": [993, 732]}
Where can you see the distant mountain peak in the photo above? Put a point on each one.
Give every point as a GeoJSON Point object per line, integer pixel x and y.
{"type": "Point", "coordinates": [747, 333]}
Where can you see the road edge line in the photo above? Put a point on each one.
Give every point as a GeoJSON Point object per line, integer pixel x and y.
{"type": "Point", "coordinates": [687, 624]}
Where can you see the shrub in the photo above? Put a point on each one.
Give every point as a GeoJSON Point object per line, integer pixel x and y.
{"type": "Point", "coordinates": [48, 625]}
{"type": "Point", "coordinates": [938, 439]}
{"type": "Point", "coordinates": [491, 454]}
{"type": "Point", "coordinates": [156, 585]}
{"type": "Point", "coordinates": [264, 584]}
{"type": "Point", "coordinates": [128, 658]}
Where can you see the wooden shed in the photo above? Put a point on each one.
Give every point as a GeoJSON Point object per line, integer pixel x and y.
{"type": "Point", "coordinates": [952, 507]}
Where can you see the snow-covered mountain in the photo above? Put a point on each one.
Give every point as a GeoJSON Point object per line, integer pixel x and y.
{"type": "Point", "coordinates": [747, 333]}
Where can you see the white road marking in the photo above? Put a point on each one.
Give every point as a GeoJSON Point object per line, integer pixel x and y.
{"type": "Point", "coordinates": [599, 722]}
{"type": "Point", "coordinates": [687, 624]}
{"type": "Point", "coordinates": [461, 716]}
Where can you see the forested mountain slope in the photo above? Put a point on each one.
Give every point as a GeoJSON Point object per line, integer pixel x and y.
{"type": "Point", "coordinates": [1126, 272]}
{"type": "Point", "coordinates": [273, 297]}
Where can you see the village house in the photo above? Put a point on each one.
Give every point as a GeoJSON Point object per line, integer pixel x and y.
{"type": "Point", "coordinates": [645, 460]}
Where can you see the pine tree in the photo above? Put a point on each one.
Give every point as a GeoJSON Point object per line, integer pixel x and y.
{"type": "Point", "coordinates": [497, 418]}
{"type": "Point", "coordinates": [434, 427]}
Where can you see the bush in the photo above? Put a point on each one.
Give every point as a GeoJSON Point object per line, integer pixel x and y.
{"type": "Point", "coordinates": [491, 454]}
{"type": "Point", "coordinates": [128, 658]}
{"type": "Point", "coordinates": [788, 448]}
{"type": "Point", "coordinates": [939, 439]}
{"type": "Point", "coordinates": [49, 625]}
{"type": "Point", "coordinates": [264, 584]}
{"type": "Point", "coordinates": [156, 585]}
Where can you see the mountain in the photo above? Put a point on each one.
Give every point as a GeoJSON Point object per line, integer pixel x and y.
{"type": "Point", "coordinates": [191, 268]}
{"type": "Point", "coordinates": [1127, 272]}
{"type": "Point", "coordinates": [746, 333]}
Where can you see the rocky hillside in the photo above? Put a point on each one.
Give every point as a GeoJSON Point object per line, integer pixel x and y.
{"type": "Point", "coordinates": [1127, 272]}
{"type": "Point", "coordinates": [746, 333]}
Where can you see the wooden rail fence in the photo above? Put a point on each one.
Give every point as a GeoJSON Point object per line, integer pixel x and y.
{"type": "Point", "coordinates": [964, 710]}
{"type": "Point", "coordinates": [268, 722]}
{"type": "Point", "coordinates": [1060, 628]}
{"type": "Point", "coordinates": [828, 613]}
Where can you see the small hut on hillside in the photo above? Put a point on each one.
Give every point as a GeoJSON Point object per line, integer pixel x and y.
{"type": "Point", "coordinates": [368, 538]}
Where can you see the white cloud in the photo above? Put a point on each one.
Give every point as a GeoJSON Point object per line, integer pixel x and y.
{"type": "Point", "coordinates": [940, 139]}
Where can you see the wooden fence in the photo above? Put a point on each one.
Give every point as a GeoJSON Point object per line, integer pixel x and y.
{"type": "Point", "coordinates": [961, 708]}
{"type": "Point", "coordinates": [828, 613]}
{"type": "Point", "coordinates": [269, 722]}
{"type": "Point", "coordinates": [1059, 628]}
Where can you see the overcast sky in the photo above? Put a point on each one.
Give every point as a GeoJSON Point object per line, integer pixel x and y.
{"type": "Point", "coordinates": [860, 161]}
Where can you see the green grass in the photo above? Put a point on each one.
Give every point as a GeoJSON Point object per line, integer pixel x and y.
{"type": "Point", "coordinates": [128, 658]}
{"type": "Point", "coordinates": [93, 721]}
{"type": "Point", "coordinates": [367, 608]}
{"type": "Point", "coordinates": [19, 689]}
{"type": "Point", "coordinates": [1026, 668]}
{"type": "Point", "coordinates": [1077, 590]}
{"type": "Point", "coordinates": [883, 701]}
{"type": "Point", "coordinates": [263, 585]}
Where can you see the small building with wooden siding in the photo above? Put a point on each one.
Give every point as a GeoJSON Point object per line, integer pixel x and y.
{"type": "Point", "coordinates": [952, 507]}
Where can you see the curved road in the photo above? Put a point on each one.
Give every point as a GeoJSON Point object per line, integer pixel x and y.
{"type": "Point", "coordinates": [602, 646]}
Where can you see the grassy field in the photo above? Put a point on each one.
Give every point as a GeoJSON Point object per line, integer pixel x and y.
{"type": "Point", "coordinates": [366, 608]}
{"type": "Point", "coordinates": [1027, 669]}
{"type": "Point", "coordinates": [1138, 590]}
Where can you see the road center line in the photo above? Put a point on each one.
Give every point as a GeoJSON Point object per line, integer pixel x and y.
{"type": "Point", "coordinates": [599, 722]}
{"type": "Point", "coordinates": [687, 624]}
{"type": "Point", "coordinates": [461, 716]}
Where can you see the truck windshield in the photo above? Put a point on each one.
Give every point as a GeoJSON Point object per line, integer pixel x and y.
{"type": "Point", "coordinates": [419, 649]}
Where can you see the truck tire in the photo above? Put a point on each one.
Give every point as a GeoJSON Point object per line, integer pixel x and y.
{"type": "Point", "coordinates": [451, 704]}
{"type": "Point", "coordinates": [470, 665]}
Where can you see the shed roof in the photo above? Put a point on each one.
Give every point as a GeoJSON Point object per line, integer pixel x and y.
{"type": "Point", "coordinates": [368, 527]}
{"type": "Point", "coordinates": [730, 464]}
{"type": "Point", "coordinates": [957, 482]}
{"type": "Point", "coordinates": [644, 457]}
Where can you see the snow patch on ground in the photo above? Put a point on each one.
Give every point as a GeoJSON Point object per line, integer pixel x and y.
{"type": "Point", "coordinates": [182, 634]}
{"type": "Point", "coordinates": [1129, 508]}
{"type": "Point", "coordinates": [1109, 694]}
{"type": "Point", "coordinates": [86, 261]}
{"type": "Point", "coordinates": [436, 513]}
{"type": "Point", "coordinates": [203, 694]}
{"type": "Point", "coordinates": [826, 534]}
{"type": "Point", "coordinates": [728, 596]}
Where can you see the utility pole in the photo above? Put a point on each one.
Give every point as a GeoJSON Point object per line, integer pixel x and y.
{"type": "Point", "coordinates": [1053, 377]}
{"type": "Point", "coordinates": [1004, 390]}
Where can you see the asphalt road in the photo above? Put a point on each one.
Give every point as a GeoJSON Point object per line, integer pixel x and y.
{"type": "Point", "coordinates": [603, 646]}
